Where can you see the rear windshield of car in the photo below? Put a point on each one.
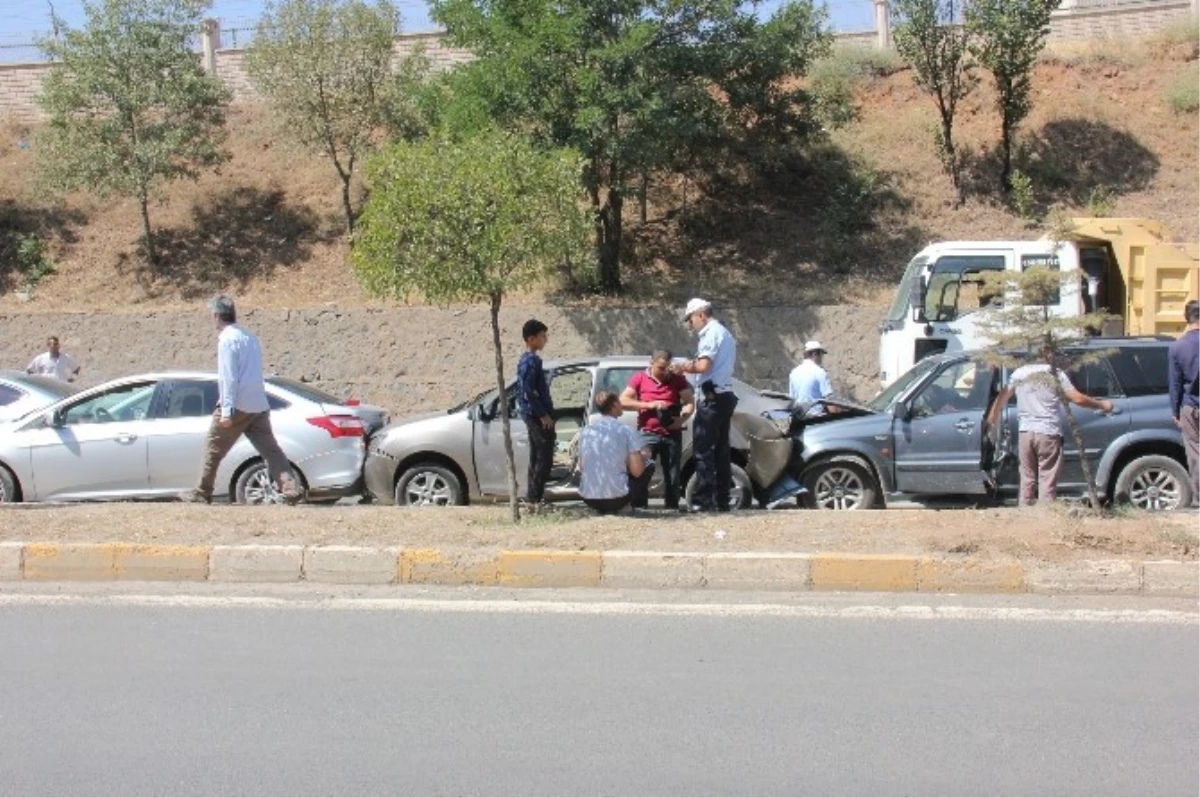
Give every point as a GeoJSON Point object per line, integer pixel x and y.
{"type": "Point", "coordinates": [1141, 370]}
{"type": "Point", "coordinates": [304, 391]}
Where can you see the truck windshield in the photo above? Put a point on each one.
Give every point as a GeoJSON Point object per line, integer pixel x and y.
{"type": "Point", "coordinates": [910, 281]}
{"type": "Point", "coordinates": [956, 285]}
{"type": "Point", "coordinates": [883, 400]}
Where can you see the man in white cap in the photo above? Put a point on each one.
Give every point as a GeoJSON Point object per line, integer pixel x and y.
{"type": "Point", "coordinates": [808, 383]}
{"type": "Point", "coordinates": [716, 353]}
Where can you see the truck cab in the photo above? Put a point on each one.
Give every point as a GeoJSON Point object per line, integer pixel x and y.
{"type": "Point", "coordinates": [1127, 269]}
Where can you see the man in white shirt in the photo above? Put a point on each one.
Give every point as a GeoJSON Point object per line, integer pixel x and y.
{"type": "Point", "coordinates": [808, 384]}
{"type": "Point", "coordinates": [54, 363]}
{"type": "Point", "coordinates": [611, 462]}
{"type": "Point", "coordinates": [242, 408]}
{"type": "Point", "coordinates": [1040, 444]}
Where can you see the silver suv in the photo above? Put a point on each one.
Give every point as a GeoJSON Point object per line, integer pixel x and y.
{"type": "Point", "coordinates": [457, 455]}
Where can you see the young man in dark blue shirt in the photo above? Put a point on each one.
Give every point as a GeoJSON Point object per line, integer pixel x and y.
{"type": "Point", "coordinates": [537, 410]}
{"type": "Point", "coordinates": [1185, 404]}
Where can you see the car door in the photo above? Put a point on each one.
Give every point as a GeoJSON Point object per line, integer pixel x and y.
{"type": "Point", "coordinates": [176, 438]}
{"type": "Point", "coordinates": [96, 448]}
{"type": "Point", "coordinates": [1097, 429]}
{"type": "Point", "coordinates": [487, 433]}
{"type": "Point", "coordinates": [937, 438]}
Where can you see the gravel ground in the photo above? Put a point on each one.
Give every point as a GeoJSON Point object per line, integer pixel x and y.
{"type": "Point", "coordinates": [1054, 534]}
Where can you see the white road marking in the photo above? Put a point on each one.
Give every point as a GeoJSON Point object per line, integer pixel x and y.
{"type": "Point", "coordinates": [549, 607]}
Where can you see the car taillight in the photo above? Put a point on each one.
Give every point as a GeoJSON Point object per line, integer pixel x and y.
{"type": "Point", "coordinates": [352, 403]}
{"type": "Point", "coordinates": [340, 426]}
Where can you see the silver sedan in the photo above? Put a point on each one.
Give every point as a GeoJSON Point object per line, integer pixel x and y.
{"type": "Point", "coordinates": [22, 393]}
{"type": "Point", "coordinates": [143, 438]}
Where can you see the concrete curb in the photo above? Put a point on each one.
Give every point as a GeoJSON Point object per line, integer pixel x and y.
{"type": "Point", "coordinates": [785, 571]}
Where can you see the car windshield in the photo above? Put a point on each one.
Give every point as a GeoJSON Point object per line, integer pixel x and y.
{"type": "Point", "coordinates": [910, 281]}
{"type": "Point", "coordinates": [884, 399]}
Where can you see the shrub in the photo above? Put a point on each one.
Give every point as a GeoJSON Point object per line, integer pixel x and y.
{"type": "Point", "coordinates": [834, 79]}
{"type": "Point", "coordinates": [1183, 95]}
{"type": "Point", "coordinates": [1101, 202]}
{"type": "Point", "coordinates": [1021, 196]}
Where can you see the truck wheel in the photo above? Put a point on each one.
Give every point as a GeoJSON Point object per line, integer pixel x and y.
{"type": "Point", "coordinates": [741, 492]}
{"type": "Point", "coordinates": [428, 485]}
{"type": "Point", "coordinates": [1154, 482]}
{"type": "Point", "coordinates": [841, 484]}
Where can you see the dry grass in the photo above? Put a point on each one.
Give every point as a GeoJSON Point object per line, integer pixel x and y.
{"type": "Point", "coordinates": [834, 227]}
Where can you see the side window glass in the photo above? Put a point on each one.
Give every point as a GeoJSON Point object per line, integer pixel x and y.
{"type": "Point", "coordinates": [571, 389]}
{"type": "Point", "coordinates": [615, 380]}
{"type": "Point", "coordinates": [191, 399]}
{"type": "Point", "coordinates": [126, 403]}
{"type": "Point", "coordinates": [960, 387]}
{"type": "Point", "coordinates": [8, 395]}
{"type": "Point", "coordinates": [1141, 371]}
{"type": "Point", "coordinates": [1095, 380]}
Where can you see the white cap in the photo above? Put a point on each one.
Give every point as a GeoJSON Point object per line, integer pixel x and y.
{"type": "Point", "coordinates": [814, 346]}
{"type": "Point", "coordinates": [695, 305]}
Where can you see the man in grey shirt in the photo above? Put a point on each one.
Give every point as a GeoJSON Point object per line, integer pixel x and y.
{"type": "Point", "coordinates": [611, 461]}
{"type": "Point", "coordinates": [1039, 388]}
{"type": "Point", "coordinates": [242, 408]}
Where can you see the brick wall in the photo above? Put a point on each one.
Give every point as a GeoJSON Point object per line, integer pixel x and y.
{"type": "Point", "coordinates": [20, 83]}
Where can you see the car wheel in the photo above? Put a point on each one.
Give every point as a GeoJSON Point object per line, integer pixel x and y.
{"type": "Point", "coordinates": [8, 486]}
{"type": "Point", "coordinates": [428, 485]}
{"type": "Point", "coordinates": [841, 485]}
{"type": "Point", "coordinates": [254, 486]}
{"type": "Point", "coordinates": [741, 492]}
{"type": "Point", "coordinates": [1154, 482]}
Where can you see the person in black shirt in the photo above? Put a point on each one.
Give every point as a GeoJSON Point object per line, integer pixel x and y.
{"type": "Point", "coordinates": [537, 409]}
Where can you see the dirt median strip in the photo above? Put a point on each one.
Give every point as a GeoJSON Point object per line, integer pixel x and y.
{"type": "Point", "coordinates": [1052, 535]}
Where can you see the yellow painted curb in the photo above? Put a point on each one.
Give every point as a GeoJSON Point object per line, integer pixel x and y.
{"type": "Point", "coordinates": [970, 576]}
{"type": "Point", "coordinates": [70, 562]}
{"type": "Point", "coordinates": [881, 572]}
{"type": "Point", "coordinates": [156, 563]}
{"type": "Point", "coordinates": [550, 568]}
{"type": "Point", "coordinates": [435, 567]}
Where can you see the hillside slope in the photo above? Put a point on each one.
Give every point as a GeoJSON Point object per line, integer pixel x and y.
{"type": "Point", "coordinates": [835, 230]}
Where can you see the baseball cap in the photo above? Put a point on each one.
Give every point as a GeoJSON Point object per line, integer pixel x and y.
{"type": "Point", "coordinates": [695, 305]}
{"type": "Point", "coordinates": [814, 346]}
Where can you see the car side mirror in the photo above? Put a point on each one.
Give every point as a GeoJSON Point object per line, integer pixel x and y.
{"type": "Point", "coordinates": [900, 411]}
{"type": "Point", "coordinates": [56, 419]}
{"type": "Point", "coordinates": [483, 413]}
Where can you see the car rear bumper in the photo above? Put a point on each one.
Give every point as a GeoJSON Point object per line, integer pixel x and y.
{"type": "Point", "coordinates": [379, 476]}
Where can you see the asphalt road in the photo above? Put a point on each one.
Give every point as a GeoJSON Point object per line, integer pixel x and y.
{"type": "Point", "coordinates": [395, 695]}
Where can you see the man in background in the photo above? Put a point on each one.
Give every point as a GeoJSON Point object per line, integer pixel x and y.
{"type": "Point", "coordinates": [808, 384]}
{"type": "Point", "coordinates": [537, 410]}
{"type": "Point", "coordinates": [54, 363]}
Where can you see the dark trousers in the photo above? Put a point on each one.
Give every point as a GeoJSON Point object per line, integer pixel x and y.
{"type": "Point", "coordinates": [256, 427]}
{"type": "Point", "coordinates": [710, 446]}
{"type": "Point", "coordinates": [638, 486]}
{"type": "Point", "coordinates": [1189, 424]}
{"type": "Point", "coordinates": [668, 450]}
{"type": "Point", "coordinates": [541, 457]}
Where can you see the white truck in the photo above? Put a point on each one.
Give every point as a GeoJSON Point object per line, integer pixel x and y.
{"type": "Point", "coordinates": [1128, 268]}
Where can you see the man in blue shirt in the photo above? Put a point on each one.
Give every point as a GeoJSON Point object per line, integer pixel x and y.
{"type": "Point", "coordinates": [716, 354]}
{"type": "Point", "coordinates": [1185, 405]}
{"type": "Point", "coordinates": [242, 408]}
{"type": "Point", "coordinates": [537, 410]}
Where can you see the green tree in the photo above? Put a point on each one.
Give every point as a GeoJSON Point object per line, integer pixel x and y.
{"type": "Point", "coordinates": [128, 106]}
{"type": "Point", "coordinates": [469, 221]}
{"type": "Point", "coordinates": [931, 39]}
{"type": "Point", "coordinates": [324, 67]}
{"type": "Point", "coordinates": [1026, 330]}
{"type": "Point", "coordinates": [636, 86]}
{"type": "Point", "coordinates": [1006, 37]}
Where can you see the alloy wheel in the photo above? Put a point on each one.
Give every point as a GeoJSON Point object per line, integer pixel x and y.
{"type": "Point", "coordinates": [261, 490]}
{"type": "Point", "coordinates": [839, 488]}
{"type": "Point", "coordinates": [1155, 489]}
{"type": "Point", "coordinates": [426, 489]}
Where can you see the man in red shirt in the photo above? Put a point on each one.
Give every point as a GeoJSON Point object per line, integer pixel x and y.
{"type": "Point", "coordinates": [664, 402]}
